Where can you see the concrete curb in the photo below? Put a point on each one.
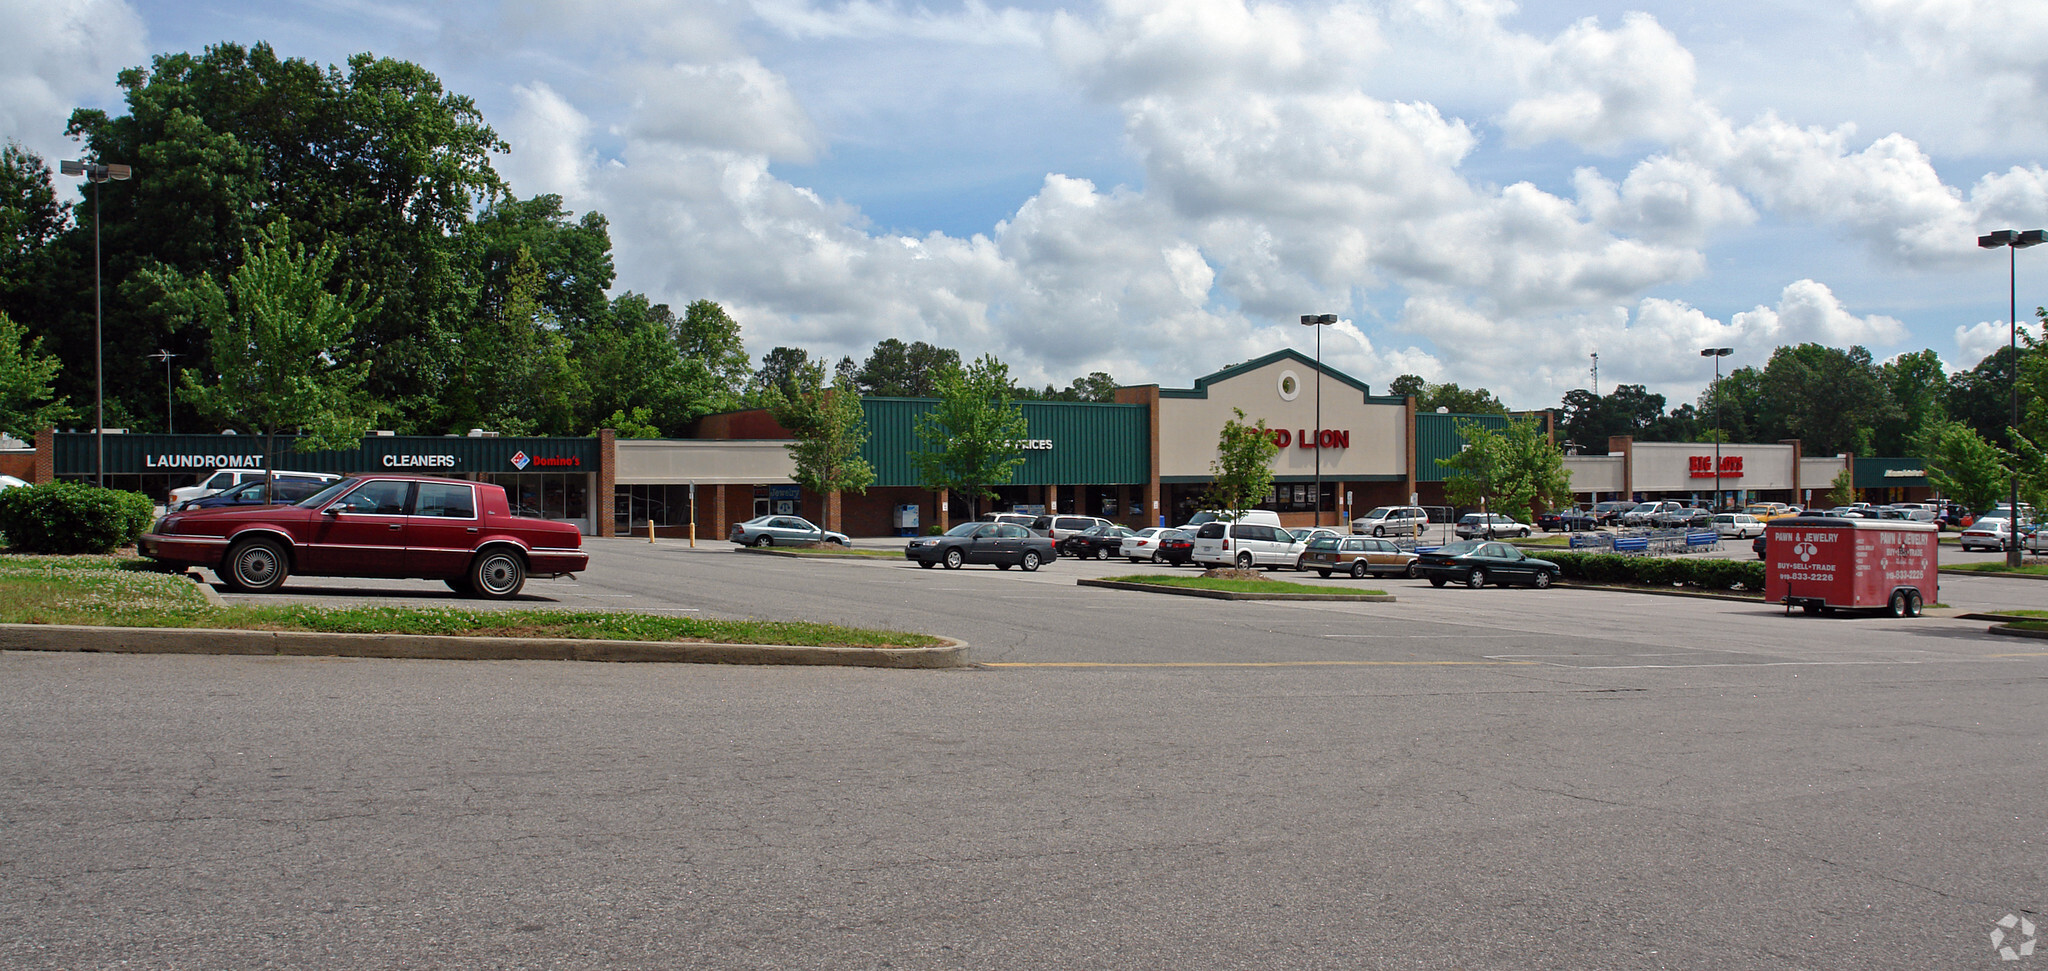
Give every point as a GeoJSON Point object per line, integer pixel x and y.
{"type": "Point", "coordinates": [165, 640]}
{"type": "Point", "coordinates": [2011, 631]}
{"type": "Point", "coordinates": [1232, 595]}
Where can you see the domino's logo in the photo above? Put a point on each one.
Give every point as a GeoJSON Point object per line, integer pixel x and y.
{"type": "Point", "coordinates": [520, 461]}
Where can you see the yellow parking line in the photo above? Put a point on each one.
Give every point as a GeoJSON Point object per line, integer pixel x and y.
{"type": "Point", "coordinates": [2035, 654]}
{"type": "Point", "coordinates": [1248, 664]}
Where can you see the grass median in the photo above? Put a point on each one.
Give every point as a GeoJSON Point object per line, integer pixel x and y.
{"type": "Point", "coordinates": [2033, 567]}
{"type": "Point", "coordinates": [115, 591]}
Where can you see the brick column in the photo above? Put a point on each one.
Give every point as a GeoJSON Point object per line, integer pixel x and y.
{"type": "Point", "coordinates": [607, 483]}
{"type": "Point", "coordinates": [832, 511]}
{"type": "Point", "coordinates": [1625, 446]}
{"type": "Point", "coordinates": [718, 524]}
{"type": "Point", "coordinates": [46, 457]}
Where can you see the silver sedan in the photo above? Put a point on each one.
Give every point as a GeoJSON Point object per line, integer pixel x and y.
{"type": "Point", "coordinates": [783, 531]}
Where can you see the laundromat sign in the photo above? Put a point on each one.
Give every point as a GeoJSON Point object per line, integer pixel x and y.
{"type": "Point", "coordinates": [423, 454]}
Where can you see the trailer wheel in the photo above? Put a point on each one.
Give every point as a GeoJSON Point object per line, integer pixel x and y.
{"type": "Point", "coordinates": [1912, 603]}
{"type": "Point", "coordinates": [1897, 605]}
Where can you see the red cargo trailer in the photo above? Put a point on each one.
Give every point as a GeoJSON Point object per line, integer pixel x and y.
{"type": "Point", "coordinates": [1821, 564]}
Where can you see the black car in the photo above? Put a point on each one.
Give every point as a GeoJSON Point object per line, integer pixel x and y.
{"type": "Point", "coordinates": [1176, 549]}
{"type": "Point", "coordinates": [1476, 563]}
{"type": "Point", "coordinates": [1758, 543]}
{"type": "Point", "coordinates": [1691, 517]}
{"type": "Point", "coordinates": [290, 489]}
{"type": "Point", "coordinates": [1567, 520]}
{"type": "Point", "coordinates": [1003, 544]}
{"type": "Point", "coordinates": [1096, 542]}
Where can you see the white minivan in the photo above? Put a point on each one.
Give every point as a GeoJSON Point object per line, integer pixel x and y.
{"type": "Point", "coordinates": [1245, 545]}
{"type": "Point", "coordinates": [1264, 517]}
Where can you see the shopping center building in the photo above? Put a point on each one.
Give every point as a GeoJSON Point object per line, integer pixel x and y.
{"type": "Point", "coordinates": [1144, 459]}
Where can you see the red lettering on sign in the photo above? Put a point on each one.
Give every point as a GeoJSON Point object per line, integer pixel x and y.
{"type": "Point", "coordinates": [1282, 437]}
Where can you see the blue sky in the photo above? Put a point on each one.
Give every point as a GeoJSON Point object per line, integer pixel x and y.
{"type": "Point", "coordinates": [1486, 193]}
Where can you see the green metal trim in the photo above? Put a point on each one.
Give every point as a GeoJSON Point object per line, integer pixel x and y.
{"type": "Point", "coordinates": [1870, 473]}
{"type": "Point", "coordinates": [1201, 388]}
{"type": "Point", "coordinates": [140, 454]}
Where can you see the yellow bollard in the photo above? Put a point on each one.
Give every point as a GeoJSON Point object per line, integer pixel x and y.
{"type": "Point", "coordinates": [650, 530]}
{"type": "Point", "coordinates": [693, 534]}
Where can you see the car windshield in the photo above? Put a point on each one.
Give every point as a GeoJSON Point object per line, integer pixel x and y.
{"type": "Point", "coordinates": [327, 495]}
{"type": "Point", "coordinates": [1380, 513]}
{"type": "Point", "coordinates": [965, 529]}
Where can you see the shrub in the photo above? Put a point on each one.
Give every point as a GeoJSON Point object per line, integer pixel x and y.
{"type": "Point", "coordinates": [1656, 571]}
{"type": "Point", "coordinates": [72, 517]}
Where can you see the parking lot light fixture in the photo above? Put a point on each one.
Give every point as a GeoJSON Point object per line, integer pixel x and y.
{"type": "Point", "coordinates": [96, 173]}
{"type": "Point", "coordinates": [2013, 240]}
{"type": "Point", "coordinates": [1717, 353]}
{"type": "Point", "coordinates": [1319, 321]}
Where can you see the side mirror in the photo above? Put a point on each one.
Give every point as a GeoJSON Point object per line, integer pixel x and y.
{"type": "Point", "coordinates": [333, 510]}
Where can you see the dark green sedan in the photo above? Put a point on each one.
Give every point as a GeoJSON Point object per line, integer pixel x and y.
{"type": "Point", "coordinates": [1476, 563]}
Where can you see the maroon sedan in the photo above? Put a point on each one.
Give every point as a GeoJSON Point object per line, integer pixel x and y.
{"type": "Point", "coordinates": [462, 533]}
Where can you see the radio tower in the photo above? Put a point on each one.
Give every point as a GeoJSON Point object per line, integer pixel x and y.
{"type": "Point", "coordinates": [1596, 374]}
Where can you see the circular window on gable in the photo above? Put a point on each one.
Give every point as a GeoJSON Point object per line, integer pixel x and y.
{"type": "Point", "coordinates": [1290, 385]}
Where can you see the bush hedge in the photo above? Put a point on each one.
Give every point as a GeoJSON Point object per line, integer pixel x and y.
{"type": "Point", "coordinates": [72, 517]}
{"type": "Point", "coordinates": [1657, 571]}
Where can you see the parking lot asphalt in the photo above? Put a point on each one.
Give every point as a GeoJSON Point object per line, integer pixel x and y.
{"type": "Point", "coordinates": [1566, 778]}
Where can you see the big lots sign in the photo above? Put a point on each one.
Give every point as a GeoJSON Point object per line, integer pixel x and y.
{"type": "Point", "coordinates": [1702, 467]}
{"type": "Point", "coordinates": [1326, 438]}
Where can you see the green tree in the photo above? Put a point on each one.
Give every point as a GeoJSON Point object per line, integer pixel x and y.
{"type": "Point", "coordinates": [1241, 475]}
{"type": "Point", "coordinates": [829, 429]}
{"type": "Point", "coordinates": [1961, 465]}
{"type": "Point", "coordinates": [1448, 396]}
{"type": "Point", "coordinates": [784, 373]}
{"type": "Point", "coordinates": [30, 219]}
{"type": "Point", "coordinates": [1513, 471]}
{"type": "Point", "coordinates": [276, 336]}
{"type": "Point", "coordinates": [1981, 396]}
{"type": "Point", "coordinates": [376, 157]}
{"type": "Point", "coordinates": [27, 374]}
{"type": "Point", "coordinates": [973, 438]}
{"type": "Point", "coordinates": [1918, 383]}
{"type": "Point", "coordinates": [1842, 491]}
{"type": "Point", "coordinates": [898, 370]}
{"type": "Point", "coordinates": [1832, 400]}
{"type": "Point", "coordinates": [516, 376]}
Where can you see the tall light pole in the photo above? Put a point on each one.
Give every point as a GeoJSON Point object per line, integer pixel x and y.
{"type": "Point", "coordinates": [2013, 240]}
{"type": "Point", "coordinates": [1717, 353]}
{"type": "Point", "coordinates": [97, 173]}
{"type": "Point", "coordinates": [170, 423]}
{"type": "Point", "coordinates": [1319, 321]}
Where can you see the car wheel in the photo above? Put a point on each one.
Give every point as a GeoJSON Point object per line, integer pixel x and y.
{"type": "Point", "coordinates": [1476, 578]}
{"type": "Point", "coordinates": [257, 566]}
{"type": "Point", "coordinates": [497, 574]}
{"type": "Point", "coordinates": [1437, 581]}
{"type": "Point", "coordinates": [926, 564]}
{"type": "Point", "coordinates": [1244, 561]}
{"type": "Point", "coordinates": [955, 559]}
{"type": "Point", "coordinates": [1542, 579]}
{"type": "Point", "coordinates": [765, 540]}
{"type": "Point", "coordinates": [1360, 570]}
{"type": "Point", "coordinates": [1380, 531]}
{"type": "Point", "coordinates": [1101, 554]}
{"type": "Point", "coordinates": [1003, 566]}
{"type": "Point", "coordinates": [1413, 570]}
{"type": "Point", "coordinates": [1030, 561]}
{"type": "Point", "coordinates": [1524, 534]}
{"type": "Point", "coordinates": [1325, 574]}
